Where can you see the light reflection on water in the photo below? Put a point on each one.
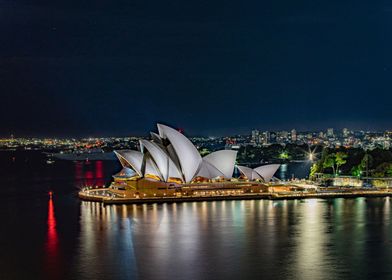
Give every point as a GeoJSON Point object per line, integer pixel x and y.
{"type": "Point", "coordinates": [299, 170]}
{"type": "Point", "coordinates": [52, 244]}
{"type": "Point", "coordinates": [300, 239]}
{"type": "Point", "coordinates": [68, 239]}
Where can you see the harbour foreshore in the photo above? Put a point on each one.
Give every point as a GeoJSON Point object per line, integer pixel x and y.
{"type": "Point", "coordinates": [89, 195]}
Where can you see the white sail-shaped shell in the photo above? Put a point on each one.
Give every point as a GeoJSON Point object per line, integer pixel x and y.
{"type": "Point", "coordinates": [133, 158]}
{"type": "Point", "coordinates": [249, 173]}
{"type": "Point", "coordinates": [208, 171]}
{"type": "Point", "coordinates": [246, 171]}
{"type": "Point", "coordinates": [162, 160]}
{"type": "Point", "coordinates": [156, 138]}
{"type": "Point", "coordinates": [267, 171]}
{"type": "Point", "coordinates": [224, 161]}
{"type": "Point", "coordinates": [152, 169]}
{"type": "Point", "coordinates": [186, 152]}
{"type": "Point", "coordinates": [126, 172]}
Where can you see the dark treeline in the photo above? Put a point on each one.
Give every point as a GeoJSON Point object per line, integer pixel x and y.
{"type": "Point", "coordinates": [354, 162]}
{"type": "Point", "coordinates": [330, 161]}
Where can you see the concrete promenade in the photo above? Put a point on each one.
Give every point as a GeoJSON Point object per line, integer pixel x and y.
{"type": "Point", "coordinates": [89, 195]}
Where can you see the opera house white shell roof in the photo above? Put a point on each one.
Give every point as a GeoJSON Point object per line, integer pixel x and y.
{"type": "Point", "coordinates": [264, 172]}
{"type": "Point", "coordinates": [169, 155]}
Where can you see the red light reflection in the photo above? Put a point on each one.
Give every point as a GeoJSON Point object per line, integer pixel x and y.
{"type": "Point", "coordinates": [99, 173]}
{"type": "Point", "coordinates": [90, 173]}
{"type": "Point", "coordinates": [52, 243]}
{"type": "Point", "coordinates": [89, 178]}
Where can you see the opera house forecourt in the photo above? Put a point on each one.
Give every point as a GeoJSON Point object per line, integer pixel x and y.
{"type": "Point", "coordinates": [170, 167]}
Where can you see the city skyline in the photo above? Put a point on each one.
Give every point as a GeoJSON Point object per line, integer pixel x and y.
{"type": "Point", "coordinates": [257, 138]}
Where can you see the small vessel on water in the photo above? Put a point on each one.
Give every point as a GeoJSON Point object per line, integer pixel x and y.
{"type": "Point", "coordinates": [86, 154]}
{"type": "Point", "coordinates": [50, 161]}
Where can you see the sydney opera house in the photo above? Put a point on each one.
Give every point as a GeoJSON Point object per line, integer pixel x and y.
{"type": "Point", "coordinates": [169, 164]}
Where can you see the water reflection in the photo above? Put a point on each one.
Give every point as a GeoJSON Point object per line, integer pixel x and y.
{"type": "Point", "coordinates": [309, 239]}
{"type": "Point", "coordinates": [310, 254]}
{"type": "Point", "coordinates": [52, 244]}
{"type": "Point", "coordinates": [283, 172]}
{"type": "Point", "coordinates": [99, 175]}
{"type": "Point", "coordinates": [106, 243]}
{"type": "Point", "coordinates": [64, 238]}
{"type": "Point", "coordinates": [90, 173]}
{"type": "Point", "coordinates": [292, 170]}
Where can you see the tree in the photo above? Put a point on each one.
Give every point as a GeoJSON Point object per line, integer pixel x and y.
{"type": "Point", "coordinates": [383, 170]}
{"type": "Point", "coordinates": [340, 159]}
{"type": "Point", "coordinates": [366, 161]}
{"type": "Point", "coordinates": [329, 162]}
{"type": "Point", "coordinates": [320, 163]}
{"type": "Point", "coordinates": [356, 170]}
{"type": "Point", "coordinates": [313, 170]}
{"type": "Point", "coordinates": [284, 155]}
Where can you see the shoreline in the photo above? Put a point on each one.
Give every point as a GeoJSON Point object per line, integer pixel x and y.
{"type": "Point", "coordinates": [85, 196]}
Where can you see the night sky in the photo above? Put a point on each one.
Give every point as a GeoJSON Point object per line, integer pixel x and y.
{"type": "Point", "coordinates": [98, 68]}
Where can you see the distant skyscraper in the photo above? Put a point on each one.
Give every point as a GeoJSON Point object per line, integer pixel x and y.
{"type": "Point", "coordinates": [261, 138]}
{"type": "Point", "coordinates": [266, 137]}
{"type": "Point", "coordinates": [283, 134]}
{"type": "Point", "coordinates": [330, 132]}
{"type": "Point", "coordinates": [255, 136]}
{"type": "Point", "coordinates": [345, 132]}
{"type": "Point", "coordinates": [293, 135]}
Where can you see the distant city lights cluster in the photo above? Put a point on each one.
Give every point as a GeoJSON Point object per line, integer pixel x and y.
{"type": "Point", "coordinates": [330, 138]}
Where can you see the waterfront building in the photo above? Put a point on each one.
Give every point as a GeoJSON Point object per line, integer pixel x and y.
{"type": "Point", "coordinates": [169, 163]}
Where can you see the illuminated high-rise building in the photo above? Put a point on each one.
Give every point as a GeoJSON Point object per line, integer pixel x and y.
{"type": "Point", "coordinates": [330, 132]}
{"type": "Point", "coordinates": [293, 135]}
{"type": "Point", "coordinates": [345, 132]}
{"type": "Point", "coordinates": [255, 136]}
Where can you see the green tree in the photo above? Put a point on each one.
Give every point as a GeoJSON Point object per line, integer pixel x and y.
{"type": "Point", "coordinates": [329, 162]}
{"type": "Point", "coordinates": [356, 170]}
{"type": "Point", "coordinates": [320, 163]}
{"type": "Point", "coordinates": [366, 162]}
{"type": "Point", "coordinates": [313, 170]}
{"type": "Point", "coordinates": [340, 159]}
{"type": "Point", "coordinates": [284, 155]}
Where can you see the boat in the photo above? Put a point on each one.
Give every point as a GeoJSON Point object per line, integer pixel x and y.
{"type": "Point", "coordinates": [50, 161]}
